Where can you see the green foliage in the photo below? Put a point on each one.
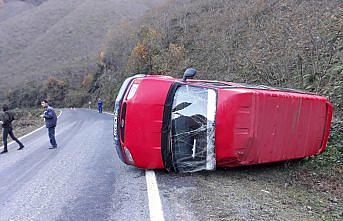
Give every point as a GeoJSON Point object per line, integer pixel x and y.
{"type": "Point", "coordinates": [57, 91]}
{"type": "Point", "coordinates": [28, 96]}
{"type": "Point", "coordinates": [296, 44]}
{"type": "Point", "coordinates": [336, 137]}
{"type": "Point", "coordinates": [75, 98]}
{"type": "Point", "coordinates": [154, 54]}
{"type": "Point", "coordinates": [333, 156]}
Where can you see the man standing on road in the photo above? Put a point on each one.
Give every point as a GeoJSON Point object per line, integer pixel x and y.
{"type": "Point", "coordinates": [8, 129]}
{"type": "Point", "coordinates": [100, 104]}
{"type": "Point", "coordinates": [50, 119]}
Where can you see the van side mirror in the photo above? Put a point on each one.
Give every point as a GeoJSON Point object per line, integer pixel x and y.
{"type": "Point", "coordinates": [189, 73]}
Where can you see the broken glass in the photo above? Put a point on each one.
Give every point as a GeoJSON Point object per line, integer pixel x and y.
{"type": "Point", "coordinates": [193, 129]}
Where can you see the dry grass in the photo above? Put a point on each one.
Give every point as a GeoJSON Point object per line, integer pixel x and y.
{"type": "Point", "coordinates": [27, 120]}
{"type": "Point", "coordinates": [57, 37]}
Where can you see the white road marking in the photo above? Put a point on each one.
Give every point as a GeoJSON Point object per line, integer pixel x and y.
{"type": "Point", "coordinates": [104, 112]}
{"type": "Point", "coordinates": [109, 113]}
{"type": "Point", "coordinates": [26, 135]}
{"type": "Point", "coordinates": [155, 206]}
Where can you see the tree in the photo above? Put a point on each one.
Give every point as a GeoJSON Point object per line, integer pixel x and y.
{"type": "Point", "coordinates": [56, 90]}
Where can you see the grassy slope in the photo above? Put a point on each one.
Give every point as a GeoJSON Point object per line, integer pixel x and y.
{"type": "Point", "coordinates": [239, 41]}
{"type": "Point", "coordinates": [58, 36]}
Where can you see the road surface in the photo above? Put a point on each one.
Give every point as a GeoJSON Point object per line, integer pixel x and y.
{"type": "Point", "coordinates": [84, 180]}
{"type": "Point", "coordinates": [81, 180]}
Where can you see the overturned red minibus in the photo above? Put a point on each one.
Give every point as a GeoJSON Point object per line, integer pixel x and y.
{"type": "Point", "coordinates": [187, 125]}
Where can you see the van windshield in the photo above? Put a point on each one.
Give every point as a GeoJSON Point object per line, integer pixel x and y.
{"type": "Point", "coordinates": [124, 86]}
{"type": "Point", "coordinates": [193, 128]}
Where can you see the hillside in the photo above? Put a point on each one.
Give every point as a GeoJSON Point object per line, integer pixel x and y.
{"type": "Point", "coordinates": [91, 46]}
{"type": "Point", "coordinates": [290, 43]}
{"type": "Point", "coordinates": [58, 37]}
{"type": "Point", "coordinates": [295, 44]}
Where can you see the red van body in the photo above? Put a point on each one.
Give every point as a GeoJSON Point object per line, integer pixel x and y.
{"type": "Point", "coordinates": [187, 126]}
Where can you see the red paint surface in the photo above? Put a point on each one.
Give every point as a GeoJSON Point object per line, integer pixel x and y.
{"type": "Point", "coordinates": [253, 126]}
{"type": "Point", "coordinates": [260, 126]}
{"type": "Point", "coordinates": [144, 115]}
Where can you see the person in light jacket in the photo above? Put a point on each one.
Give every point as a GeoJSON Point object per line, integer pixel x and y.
{"type": "Point", "coordinates": [7, 129]}
{"type": "Point", "coordinates": [50, 119]}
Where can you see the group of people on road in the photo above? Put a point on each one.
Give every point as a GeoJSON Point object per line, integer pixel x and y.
{"type": "Point", "coordinates": [49, 117]}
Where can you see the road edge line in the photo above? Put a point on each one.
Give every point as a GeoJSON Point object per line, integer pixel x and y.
{"type": "Point", "coordinates": [108, 113]}
{"type": "Point", "coordinates": [155, 205]}
{"type": "Point", "coordinates": [26, 135]}
{"type": "Point", "coordinates": [105, 112]}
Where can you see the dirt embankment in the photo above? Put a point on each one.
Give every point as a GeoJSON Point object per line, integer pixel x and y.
{"type": "Point", "coordinates": [284, 191]}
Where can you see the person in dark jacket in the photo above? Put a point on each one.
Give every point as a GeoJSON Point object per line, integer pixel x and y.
{"type": "Point", "coordinates": [7, 129]}
{"type": "Point", "coordinates": [100, 105]}
{"type": "Point", "coordinates": [50, 119]}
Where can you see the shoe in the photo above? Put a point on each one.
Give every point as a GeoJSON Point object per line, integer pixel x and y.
{"type": "Point", "coordinates": [3, 152]}
{"type": "Point", "coordinates": [52, 148]}
{"type": "Point", "coordinates": [20, 148]}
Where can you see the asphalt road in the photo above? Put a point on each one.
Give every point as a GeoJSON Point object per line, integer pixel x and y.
{"type": "Point", "coordinates": [85, 180]}
{"type": "Point", "coordinates": [81, 180]}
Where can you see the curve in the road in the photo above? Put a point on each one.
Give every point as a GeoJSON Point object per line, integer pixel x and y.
{"type": "Point", "coordinates": [81, 180]}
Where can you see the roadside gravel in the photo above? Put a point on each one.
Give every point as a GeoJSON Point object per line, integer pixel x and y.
{"type": "Point", "coordinates": [268, 192]}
